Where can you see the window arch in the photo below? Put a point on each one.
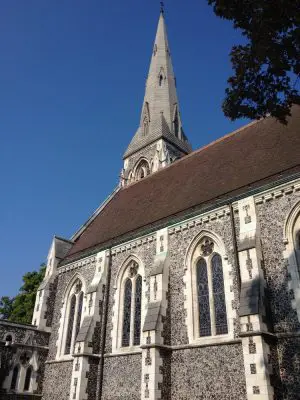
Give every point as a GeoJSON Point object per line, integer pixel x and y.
{"type": "Point", "coordinates": [15, 378]}
{"type": "Point", "coordinates": [142, 169]}
{"type": "Point", "coordinates": [132, 297]}
{"type": "Point", "coordinates": [208, 293]}
{"type": "Point", "coordinates": [27, 382]}
{"type": "Point", "coordinates": [74, 300]}
{"type": "Point", "coordinates": [129, 309]}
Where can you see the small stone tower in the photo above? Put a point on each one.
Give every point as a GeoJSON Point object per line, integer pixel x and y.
{"type": "Point", "coordinates": [160, 139]}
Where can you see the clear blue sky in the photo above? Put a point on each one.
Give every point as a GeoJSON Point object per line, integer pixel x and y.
{"type": "Point", "coordinates": [72, 78]}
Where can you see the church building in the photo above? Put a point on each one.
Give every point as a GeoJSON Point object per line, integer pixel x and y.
{"type": "Point", "coordinates": [185, 283]}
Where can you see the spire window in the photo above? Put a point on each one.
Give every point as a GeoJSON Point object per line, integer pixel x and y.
{"type": "Point", "coordinates": [176, 124]}
{"type": "Point", "coordinates": [142, 170]}
{"type": "Point", "coordinates": [146, 126]}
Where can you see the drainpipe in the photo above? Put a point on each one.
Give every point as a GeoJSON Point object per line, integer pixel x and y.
{"type": "Point", "coordinates": [103, 332]}
{"type": "Point", "coordinates": [235, 247]}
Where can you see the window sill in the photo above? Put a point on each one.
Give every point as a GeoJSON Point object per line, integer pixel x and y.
{"type": "Point", "coordinates": [125, 351]}
{"type": "Point", "coordinates": [210, 340]}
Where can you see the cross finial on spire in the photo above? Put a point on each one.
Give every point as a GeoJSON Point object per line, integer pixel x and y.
{"type": "Point", "coordinates": [162, 7]}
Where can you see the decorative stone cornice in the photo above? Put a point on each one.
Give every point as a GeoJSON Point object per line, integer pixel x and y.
{"type": "Point", "coordinates": [132, 244]}
{"type": "Point", "coordinates": [77, 264]}
{"type": "Point", "coordinates": [277, 192]}
{"type": "Point", "coordinates": [199, 220]}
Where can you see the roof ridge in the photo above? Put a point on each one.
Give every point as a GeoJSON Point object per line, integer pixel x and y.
{"type": "Point", "coordinates": [226, 136]}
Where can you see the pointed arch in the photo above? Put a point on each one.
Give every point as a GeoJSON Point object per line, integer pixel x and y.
{"type": "Point", "coordinates": [72, 315]}
{"type": "Point", "coordinates": [129, 308]}
{"type": "Point", "coordinates": [161, 76]}
{"type": "Point", "coordinates": [208, 295]}
{"type": "Point", "coordinates": [145, 122]}
{"type": "Point", "coordinates": [141, 169]}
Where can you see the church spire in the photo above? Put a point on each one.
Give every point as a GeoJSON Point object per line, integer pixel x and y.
{"type": "Point", "coordinates": [160, 116]}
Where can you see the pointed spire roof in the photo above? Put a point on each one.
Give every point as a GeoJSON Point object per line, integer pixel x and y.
{"type": "Point", "coordinates": [160, 115]}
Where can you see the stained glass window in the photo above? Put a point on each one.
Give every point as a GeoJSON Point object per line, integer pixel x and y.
{"type": "Point", "coordinates": [127, 313]}
{"type": "Point", "coordinates": [203, 299]}
{"type": "Point", "coordinates": [137, 311]}
{"type": "Point", "coordinates": [219, 295]}
{"type": "Point", "coordinates": [79, 312]}
{"type": "Point", "coordinates": [70, 324]}
{"type": "Point", "coordinates": [27, 379]}
{"type": "Point", "coordinates": [14, 378]}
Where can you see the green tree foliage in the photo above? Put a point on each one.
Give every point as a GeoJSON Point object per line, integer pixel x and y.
{"type": "Point", "coordinates": [266, 68]}
{"type": "Point", "coordinates": [6, 306]}
{"type": "Point", "coordinates": [20, 308]}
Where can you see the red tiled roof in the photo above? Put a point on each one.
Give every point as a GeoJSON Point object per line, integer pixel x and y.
{"type": "Point", "coordinates": [253, 153]}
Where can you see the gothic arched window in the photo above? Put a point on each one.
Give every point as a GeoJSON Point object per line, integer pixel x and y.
{"type": "Point", "coordinates": [74, 306]}
{"type": "Point", "coordinates": [14, 379]}
{"type": "Point", "coordinates": [211, 294]}
{"type": "Point", "coordinates": [207, 291]}
{"type": "Point", "coordinates": [27, 379]}
{"type": "Point", "coordinates": [142, 170]}
{"type": "Point", "coordinates": [132, 306]}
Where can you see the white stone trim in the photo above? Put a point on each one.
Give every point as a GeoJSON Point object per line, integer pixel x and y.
{"type": "Point", "coordinates": [188, 223]}
{"type": "Point", "coordinates": [77, 264]}
{"type": "Point", "coordinates": [278, 191]}
{"type": "Point", "coordinates": [257, 369]}
{"type": "Point", "coordinates": [190, 290]}
{"type": "Point", "coordinates": [152, 377]}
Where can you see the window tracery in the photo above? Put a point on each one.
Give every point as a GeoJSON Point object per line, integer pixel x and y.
{"type": "Point", "coordinates": [142, 170]}
{"type": "Point", "coordinates": [131, 303]}
{"type": "Point", "coordinates": [73, 319]}
{"type": "Point", "coordinates": [211, 294]}
{"type": "Point", "coordinates": [207, 315]}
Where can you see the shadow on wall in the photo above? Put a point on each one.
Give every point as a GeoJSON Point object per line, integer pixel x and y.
{"type": "Point", "coordinates": [284, 358]}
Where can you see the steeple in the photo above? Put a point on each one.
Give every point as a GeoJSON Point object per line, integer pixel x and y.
{"type": "Point", "coordinates": [160, 117]}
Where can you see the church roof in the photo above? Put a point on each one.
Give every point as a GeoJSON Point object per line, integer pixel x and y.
{"type": "Point", "coordinates": [261, 152]}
